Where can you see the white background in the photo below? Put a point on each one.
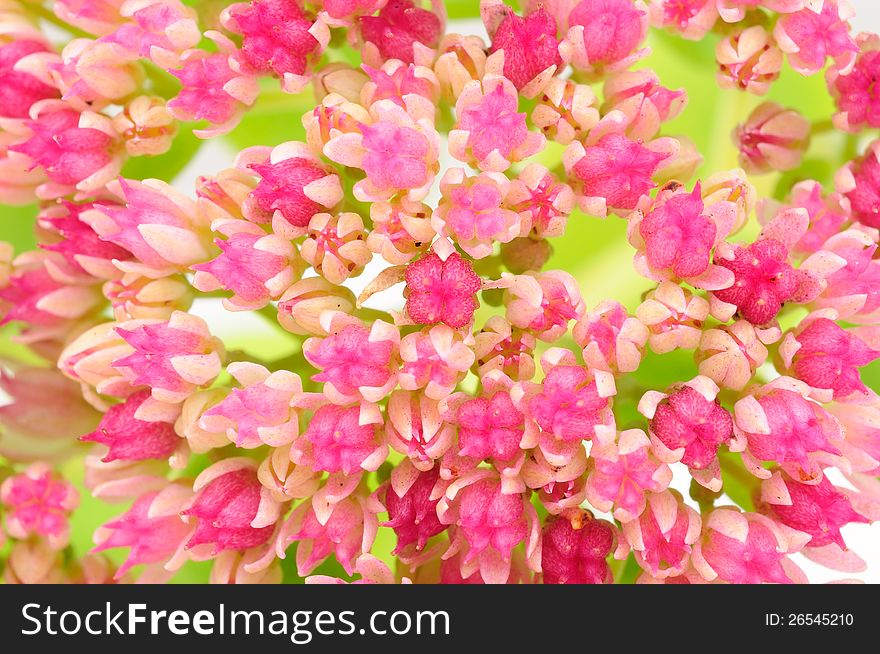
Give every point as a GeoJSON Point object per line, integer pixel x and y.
{"type": "Point", "coordinates": [215, 155]}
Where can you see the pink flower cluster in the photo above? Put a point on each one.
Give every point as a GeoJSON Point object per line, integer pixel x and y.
{"type": "Point", "coordinates": [491, 419]}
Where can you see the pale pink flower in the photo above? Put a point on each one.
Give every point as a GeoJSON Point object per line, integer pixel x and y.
{"type": "Point", "coordinates": [732, 186]}
{"type": "Point", "coordinates": [693, 19]}
{"type": "Point", "coordinates": [853, 290]}
{"type": "Point", "coordinates": [733, 11]}
{"type": "Point", "coordinates": [603, 35]}
{"type": "Point", "coordinates": [339, 440]}
{"type": "Point", "coordinates": [663, 536]}
{"type": "Point", "coordinates": [95, 16]}
{"type": "Point", "coordinates": [808, 37]}
{"type": "Point", "coordinates": [621, 474]}
{"type": "Point", "coordinates": [259, 411]}
{"type": "Point", "coordinates": [490, 134]}
{"type": "Point", "coordinates": [401, 30]}
{"type": "Point", "coordinates": [530, 45]}
{"type": "Point", "coordinates": [674, 317]}
{"type": "Point", "coordinates": [341, 79]}
{"type": "Point", "coordinates": [826, 356]}
{"type": "Point", "coordinates": [473, 212]}
{"type": "Point", "coordinates": [39, 502]}
{"type": "Point", "coordinates": [745, 548]}
{"type": "Point", "coordinates": [500, 346]}
{"type": "Point", "coordinates": [151, 528]}
{"type": "Point", "coordinates": [853, 87]}
{"type": "Point", "coordinates": [460, 60]}
{"type": "Point", "coordinates": [611, 339]}
{"type": "Point", "coordinates": [559, 487]}
{"type": "Point", "coordinates": [394, 80]}
{"type": "Point", "coordinates": [212, 90]}
{"type": "Point", "coordinates": [172, 357]}
{"type": "Point", "coordinates": [435, 359]}
{"type": "Point", "coordinates": [748, 60]}
{"type": "Point", "coordinates": [134, 298]}
{"type": "Point", "coordinates": [232, 510]}
{"type": "Point", "coordinates": [254, 265]}
{"type": "Point", "coordinates": [488, 525]}
{"type": "Point", "coordinates": [278, 38]}
{"type": "Point", "coordinates": [730, 355]}
{"type": "Point", "coordinates": [772, 138]}
{"type": "Point", "coordinates": [371, 570]}
{"type": "Point", "coordinates": [643, 100]}
{"type": "Point", "coordinates": [146, 125]}
{"type": "Point", "coordinates": [397, 148]}
{"type": "Point", "coordinates": [130, 438]}
{"type": "Point", "coordinates": [574, 548]}
{"type": "Point", "coordinates": [441, 290]}
{"type": "Point", "coordinates": [565, 111]}
{"type": "Point", "coordinates": [335, 246]}
{"type": "Point", "coordinates": [303, 306]}
{"type": "Point", "coordinates": [356, 362]}
{"type": "Point", "coordinates": [548, 201]}
{"type": "Point", "coordinates": [401, 230]}
{"type": "Point", "coordinates": [294, 185]}
{"type": "Point", "coordinates": [544, 303]}
{"type": "Point", "coordinates": [417, 429]}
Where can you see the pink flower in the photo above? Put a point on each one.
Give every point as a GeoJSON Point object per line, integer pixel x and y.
{"type": "Point", "coordinates": [399, 27]}
{"type": "Point", "coordinates": [158, 29]}
{"type": "Point", "coordinates": [809, 37]}
{"type": "Point", "coordinates": [255, 266]}
{"type": "Point", "coordinates": [294, 185]}
{"type": "Point", "coordinates": [336, 441]}
{"type": "Point", "coordinates": [742, 548]}
{"type": "Point", "coordinates": [853, 290]}
{"type": "Point", "coordinates": [818, 509]}
{"type": "Point", "coordinates": [857, 102]}
{"type": "Point", "coordinates": [95, 16]}
{"type": "Point", "coordinates": [212, 90]}
{"type": "Point", "coordinates": [157, 224]}
{"type": "Point", "coordinates": [645, 103]}
{"type": "Point", "coordinates": [764, 280]}
{"type": "Point", "coordinates": [574, 547]}
{"type": "Point", "coordinates": [130, 438]}
{"type": "Point", "coordinates": [616, 170]}
{"type": "Point", "coordinates": [692, 18]}
{"type": "Point", "coordinates": [473, 212]}
{"type": "Point", "coordinates": [623, 472]}
{"type": "Point", "coordinates": [395, 79]}
{"type": "Point", "coordinates": [77, 151]}
{"type": "Point", "coordinates": [278, 38]}
{"type": "Point", "coordinates": [781, 424]}
{"type": "Point", "coordinates": [498, 346]}
{"type": "Point", "coordinates": [490, 134]}
{"type": "Point", "coordinates": [401, 230]}
{"type": "Point", "coordinates": [261, 411]}
{"type": "Point", "coordinates": [860, 183]}
{"type": "Point", "coordinates": [689, 423]}
{"type": "Point", "coordinates": [233, 511]}
{"type": "Point", "coordinates": [544, 303]}
{"type": "Point", "coordinates": [150, 528]}
{"type": "Point", "coordinates": [565, 110]}
{"type": "Point", "coordinates": [355, 361]}
{"type": "Point", "coordinates": [490, 428]}
{"type": "Point", "coordinates": [569, 405]}
{"type": "Point", "coordinates": [416, 428]}
{"type": "Point", "coordinates": [335, 246]}
{"type": "Point", "coordinates": [547, 201]}
{"type": "Point", "coordinates": [826, 213]}
{"type": "Point", "coordinates": [826, 356]}
{"type": "Point", "coordinates": [412, 510]}
{"type": "Point", "coordinates": [39, 502]}
{"type": "Point", "coordinates": [172, 357]}
{"type": "Point", "coordinates": [435, 359]}
{"type": "Point", "coordinates": [603, 34]}
{"type": "Point", "coordinates": [611, 339]}
{"type": "Point", "coordinates": [348, 532]}
{"type": "Point", "coordinates": [529, 43]}
{"type": "Point", "coordinates": [748, 60]}
{"type": "Point", "coordinates": [662, 538]}
{"type": "Point", "coordinates": [488, 525]}
{"type": "Point", "coordinates": [733, 11]}
{"type": "Point", "coordinates": [441, 291]}
{"type": "Point", "coordinates": [772, 138]}
{"type": "Point", "coordinates": [19, 90]}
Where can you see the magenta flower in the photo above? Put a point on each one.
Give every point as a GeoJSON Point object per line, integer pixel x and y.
{"type": "Point", "coordinates": [20, 90]}
{"type": "Point", "coordinates": [129, 438]}
{"type": "Point", "coordinates": [574, 548]}
{"type": "Point", "coordinates": [530, 46]}
{"type": "Point", "coordinates": [443, 291]}
{"type": "Point", "coordinates": [569, 405]}
{"type": "Point", "coordinates": [663, 537]}
{"type": "Point", "coordinates": [400, 29]}
{"type": "Point", "coordinates": [490, 428]}
{"type": "Point", "coordinates": [861, 186]}
{"type": "Point", "coordinates": [336, 441]}
{"type": "Point", "coordinates": [412, 510]}
{"type": "Point", "coordinates": [857, 100]}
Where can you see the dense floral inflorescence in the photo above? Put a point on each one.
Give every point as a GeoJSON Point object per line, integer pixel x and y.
{"type": "Point", "coordinates": [418, 366]}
